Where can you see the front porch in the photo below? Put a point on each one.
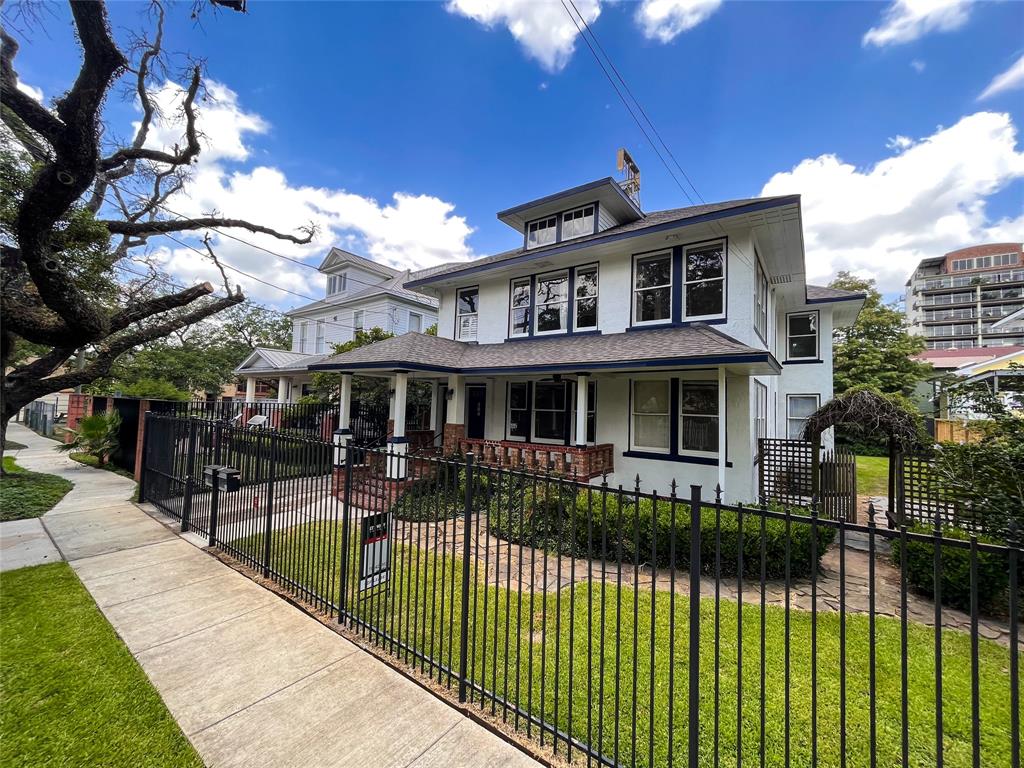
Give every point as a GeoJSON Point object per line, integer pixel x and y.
{"type": "Point", "coordinates": [581, 462]}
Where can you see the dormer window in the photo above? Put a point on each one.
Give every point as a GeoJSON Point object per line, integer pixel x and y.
{"type": "Point", "coordinates": [542, 232]}
{"type": "Point", "coordinates": [337, 283]}
{"type": "Point", "coordinates": [578, 223]}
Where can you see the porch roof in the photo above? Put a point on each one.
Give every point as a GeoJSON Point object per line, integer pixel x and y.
{"type": "Point", "coordinates": [664, 348]}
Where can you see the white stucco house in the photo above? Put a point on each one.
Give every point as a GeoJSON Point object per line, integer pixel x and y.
{"type": "Point", "coordinates": [661, 344]}
{"type": "Point", "coordinates": [359, 293]}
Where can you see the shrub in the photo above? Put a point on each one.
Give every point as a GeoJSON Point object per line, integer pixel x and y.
{"type": "Point", "coordinates": [441, 496]}
{"type": "Point", "coordinates": [532, 511]}
{"type": "Point", "coordinates": [96, 436]}
{"type": "Point", "coordinates": [993, 569]}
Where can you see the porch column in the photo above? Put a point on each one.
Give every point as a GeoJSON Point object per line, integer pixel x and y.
{"type": "Point", "coordinates": [343, 434]}
{"type": "Point", "coordinates": [283, 386]}
{"type": "Point", "coordinates": [398, 444]}
{"type": "Point", "coordinates": [250, 389]}
{"type": "Point", "coordinates": [433, 410]}
{"type": "Point", "coordinates": [582, 404]}
{"type": "Point", "coordinates": [455, 422]}
{"type": "Point", "coordinates": [721, 428]}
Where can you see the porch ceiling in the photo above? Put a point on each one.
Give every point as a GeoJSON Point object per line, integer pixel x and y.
{"type": "Point", "coordinates": [648, 350]}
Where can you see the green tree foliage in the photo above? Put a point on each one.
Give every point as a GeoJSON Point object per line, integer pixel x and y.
{"type": "Point", "coordinates": [155, 389]}
{"type": "Point", "coordinates": [876, 351]}
{"type": "Point", "coordinates": [95, 435]}
{"type": "Point", "coordinates": [326, 387]}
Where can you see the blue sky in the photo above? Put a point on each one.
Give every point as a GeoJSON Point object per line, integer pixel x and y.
{"type": "Point", "coordinates": [327, 110]}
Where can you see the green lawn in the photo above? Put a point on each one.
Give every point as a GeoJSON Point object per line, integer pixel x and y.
{"type": "Point", "coordinates": [873, 475]}
{"type": "Point", "coordinates": [73, 695]}
{"type": "Point", "coordinates": [424, 605]}
{"type": "Point", "coordinates": [26, 494]}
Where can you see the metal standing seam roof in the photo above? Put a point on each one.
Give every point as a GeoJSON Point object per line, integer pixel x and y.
{"type": "Point", "coordinates": [653, 219]}
{"type": "Point", "coordinates": [634, 349]}
{"type": "Point", "coordinates": [280, 360]}
{"type": "Point", "coordinates": [391, 287]}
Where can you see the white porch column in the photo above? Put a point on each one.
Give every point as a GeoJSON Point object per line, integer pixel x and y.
{"type": "Point", "coordinates": [457, 403]}
{"type": "Point", "coordinates": [343, 434]}
{"type": "Point", "coordinates": [721, 427]}
{"type": "Point", "coordinates": [433, 408]}
{"type": "Point", "coordinates": [398, 444]}
{"type": "Point", "coordinates": [284, 385]}
{"type": "Point", "coordinates": [250, 389]}
{"type": "Point", "coordinates": [582, 404]}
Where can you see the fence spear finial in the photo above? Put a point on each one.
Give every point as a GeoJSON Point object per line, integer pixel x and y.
{"type": "Point", "coordinates": [718, 493]}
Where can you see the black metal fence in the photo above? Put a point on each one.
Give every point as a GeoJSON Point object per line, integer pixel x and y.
{"type": "Point", "coordinates": [622, 626]}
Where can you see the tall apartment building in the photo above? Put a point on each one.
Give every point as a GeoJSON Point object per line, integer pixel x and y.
{"type": "Point", "coordinates": [956, 301]}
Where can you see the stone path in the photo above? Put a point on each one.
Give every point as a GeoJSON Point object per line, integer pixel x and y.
{"type": "Point", "coordinates": [252, 680]}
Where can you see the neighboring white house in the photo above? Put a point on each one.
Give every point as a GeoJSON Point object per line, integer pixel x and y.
{"type": "Point", "coordinates": [659, 344]}
{"type": "Point", "coordinates": [360, 293]}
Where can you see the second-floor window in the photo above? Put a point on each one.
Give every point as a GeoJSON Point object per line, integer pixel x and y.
{"type": "Point", "coordinates": [320, 337]}
{"type": "Point", "coordinates": [578, 223]}
{"type": "Point", "coordinates": [704, 281]}
{"type": "Point", "coordinates": [519, 307]}
{"type": "Point", "coordinates": [415, 322]}
{"type": "Point", "coordinates": [552, 303]}
{"type": "Point", "coordinates": [652, 289]}
{"type": "Point", "coordinates": [586, 299]}
{"type": "Point", "coordinates": [802, 336]}
{"type": "Point", "coordinates": [761, 299]}
{"type": "Point", "coordinates": [337, 283]}
{"type": "Point", "coordinates": [542, 232]}
{"type": "Point", "coordinates": [467, 314]}
{"type": "Point", "coordinates": [303, 335]}
{"type": "Point", "coordinates": [357, 320]}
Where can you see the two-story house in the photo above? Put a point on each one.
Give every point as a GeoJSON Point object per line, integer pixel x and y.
{"type": "Point", "coordinates": [359, 294]}
{"type": "Point", "coordinates": [659, 344]}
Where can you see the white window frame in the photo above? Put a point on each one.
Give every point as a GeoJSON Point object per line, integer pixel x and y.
{"type": "Point", "coordinates": [538, 305]}
{"type": "Point", "coordinates": [357, 320]}
{"type": "Point", "coordinates": [527, 411]}
{"type": "Point", "coordinates": [817, 334]}
{"type": "Point", "coordinates": [633, 413]}
{"type": "Point", "coordinates": [533, 228]}
{"type": "Point", "coordinates": [571, 217]}
{"type": "Point", "coordinates": [687, 283]}
{"type": "Point", "coordinates": [789, 412]}
{"type": "Point", "coordinates": [760, 298]}
{"type": "Point", "coordinates": [459, 314]}
{"type": "Point", "coordinates": [637, 260]}
{"type": "Point", "coordinates": [419, 319]}
{"type": "Point", "coordinates": [527, 308]}
{"type": "Point", "coordinates": [680, 417]}
{"type": "Point", "coordinates": [320, 328]}
{"type": "Point", "coordinates": [576, 298]}
{"type": "Point", "coordinates": [303, 334]}
{"type": "Point", "coordinates": [760, 412]}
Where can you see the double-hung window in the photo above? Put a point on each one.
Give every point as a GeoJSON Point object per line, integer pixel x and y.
{"type": "Point", "coordinates": [551, 309]}
{"type": "Point", "coordinates": [704, 281]}
{"type": "Point", "coordinates": [542, 232]}
{"type": "Point", "coordinates": [802, 336]}
{"type": "Point", "coordinates": [698, 416]}
{"type": "Point", "coordinates": [519, 410]}
{"type": "Point", "coordinates": [760, 410]}
{"type": "Point", "coordinates": [467, 313]}
{"type": "Point", "coordinates": [652, 289]}
{"type": "Point", "coordinates": [651, 403]}
{"type": "Point", "coordinates": [586, 299]}
{"type": "Point", "coordinates": [415, 322]}
{"type": "Point", "coordinates": [549, 410]}
{"type": "Point", "coordinates": [303, 334]}
{"type": "Point", "coordinates": [320, 337]}
{"type": "Point", "coordinates": [798, 409]}
{"type": "Point", "coordinates": [761, 300]}
{"type": "Point", "coordinates": [357, 320]}
{"type": "Point", "coordinates": [578, 223]}
{"type": "Point", "coordinates": [519, 308]}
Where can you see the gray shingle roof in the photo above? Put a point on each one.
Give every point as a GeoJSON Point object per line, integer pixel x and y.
{"type": "Point", "coordinates": [824, 293]}
{"type": "Point", "coordinates": [633, 349]}
{"type": "Point", "coordinates": [649, 220]}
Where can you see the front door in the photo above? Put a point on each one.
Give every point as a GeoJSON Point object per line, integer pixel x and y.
{"type": "Point", "coordinates": [476, 408]}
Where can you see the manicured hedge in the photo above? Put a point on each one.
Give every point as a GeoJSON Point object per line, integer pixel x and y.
{"type": "Point", "coordinates": [615, 526]}
{"type": "Point", "coordinates": [440, 496]}
{"type": "Point", "coordinates": [993, 570]}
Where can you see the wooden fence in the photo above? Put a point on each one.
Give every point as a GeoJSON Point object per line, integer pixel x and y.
{"type": "Point", "coordinates": [793, 472]}
{"type": "Point", "coordinates": [950, 431]}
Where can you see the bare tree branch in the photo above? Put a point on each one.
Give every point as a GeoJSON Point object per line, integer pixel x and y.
{"type": "Point", "coordinates": [165, 226]}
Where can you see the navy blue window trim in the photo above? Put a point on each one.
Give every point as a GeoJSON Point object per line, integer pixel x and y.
{"type": "Point", "coordinates": [678, 274]}
{"type": "Point", "coordinates": [817, 337]}
{"type": "Point", "coordinates": [802, 362]}
{"type": "Point", "coordinates": [570, 322]}
{"type": "Point", "coordinates": [673, 453]}
{"type": "Point", "coordinates": [455, 324]}
{"type": "Point", "coordinates": [680, 458]}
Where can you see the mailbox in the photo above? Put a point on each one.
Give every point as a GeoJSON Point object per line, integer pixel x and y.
{"type": "Point", "coordinates": [227, 477]}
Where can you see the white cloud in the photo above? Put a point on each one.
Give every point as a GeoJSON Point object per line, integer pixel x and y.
{"type": "Point", "coordinates": [899, 143]}
{"type": "Point", "coordinates": [31, 90]}
{"type": "Point", "coordinates": [664, 20]}
{"type": "Point", "coordinates": [918, 66]}
{"type": "Point", "coordinates": [543, 28]}
{"type": "Point", "coordinates": [928, 199]}
{"type": "Point", "coordinates": [907, 20]}
{"type": "Point", "coordinates": [1011, 79]}
{"type": "Point", "coordinates": [411, 230]}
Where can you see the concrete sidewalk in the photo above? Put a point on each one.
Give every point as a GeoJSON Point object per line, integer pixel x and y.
{"type": "Point", "coordinates": [252, 680]}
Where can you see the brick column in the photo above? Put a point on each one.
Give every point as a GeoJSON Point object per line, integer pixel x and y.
{"type": "Point", "coordinates": [453, 433]}
{"type": "Point", "coordinates": [79, 406]}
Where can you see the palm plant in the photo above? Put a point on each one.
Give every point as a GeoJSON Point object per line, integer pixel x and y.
{"type": "Point", "coordinates": [95, 436]}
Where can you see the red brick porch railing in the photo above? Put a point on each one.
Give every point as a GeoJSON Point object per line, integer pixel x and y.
{"type": "Point", "coordinates": [584, 463]}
